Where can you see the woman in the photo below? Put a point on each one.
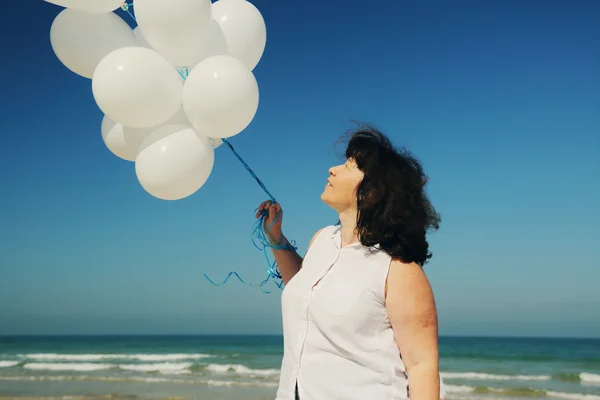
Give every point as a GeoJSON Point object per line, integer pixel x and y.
{"type": "Point", "coordinates": [359, 316]}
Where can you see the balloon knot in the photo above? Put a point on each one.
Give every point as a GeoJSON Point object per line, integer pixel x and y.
{"type": "Point", "coordinates": [125, 6]}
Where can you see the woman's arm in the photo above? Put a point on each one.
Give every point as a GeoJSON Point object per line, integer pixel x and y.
{"type": "Point", "coordinates": [412, 312]}
{"type": "Point", "coordinates": [288, 260]}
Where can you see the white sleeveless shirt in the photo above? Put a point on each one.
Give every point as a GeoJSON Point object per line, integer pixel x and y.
{"type": "Point", "coordinates": [338, 340]}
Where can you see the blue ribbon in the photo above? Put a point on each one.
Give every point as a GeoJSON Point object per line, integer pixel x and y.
{"type": "Point", "coordinates": [260, 235]}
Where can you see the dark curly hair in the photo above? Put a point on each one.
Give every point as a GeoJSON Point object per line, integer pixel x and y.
{"type": "Point", "coordinates": [394, 211]}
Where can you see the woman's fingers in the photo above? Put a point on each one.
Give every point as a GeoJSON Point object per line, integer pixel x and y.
{"type": "Point", "coordinates": [263, 206]}
{"type": "Point", "coordinates": [272, 211]}
{"type": "Point", "coordinates": [272, 208]}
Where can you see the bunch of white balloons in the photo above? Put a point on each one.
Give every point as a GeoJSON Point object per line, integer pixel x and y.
{"type": "Point", "coordinates": [170, 88]}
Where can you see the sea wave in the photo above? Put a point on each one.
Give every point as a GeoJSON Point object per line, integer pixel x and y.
{"type": "Point", "coordinates": [493, 377]}
{"type": "Point", "coordinates": [458, 388]}
{"type": "Point", "coordinates": [589, 378]}
{"type": "Point", "coordinates": [518, 392]}
{"type": "Point", "coordinates": [164, 368]}
{"type": "Point", "coordinates": [135, 379]}
{"type": "Point", "coordinates": [81, 397]}
{"type": "Point", "coordinates": [115, 356]}
{"type": "Point", "coordinates": [213, 382]}
{"type": "Point", "coordinates": [520, 357]}
{"type": "Point", "coordinates": [8, 364]}
{"type": "Point", "coordinates": [241, 370]}
{"type": "Point", "coordinates": [567, 377]}
{"type": "Point", "coordinates": [572, 396]}
{"type": "Point", "coordinates": [584, 377]}
{"type": "Point", "coordinates": [83, 367]}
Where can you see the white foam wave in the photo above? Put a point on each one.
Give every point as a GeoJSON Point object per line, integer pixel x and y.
{"type": "Point", "coordinates": [458, 388]}
{"type": "Point", "coordinates": [587, 377]}
{"type": "Point", "coordinates": [493, 377]}
{"type": "Point", "coordinates": [164, 368]}
{"type": "Point", "coordinates": [210, 382]}
{"type": "Point", "coordinates": [114, 356]}
{"type": "Point", "coordinates": [8, 364]}
{"type": "Point", "coordinates": [572, 396]}
{"type": "Point", "coordinates": [67, 367]}
{"type": "Point", "coordinates": [167, 357]}
{"type": "Point", "coordinates": [241, 370]}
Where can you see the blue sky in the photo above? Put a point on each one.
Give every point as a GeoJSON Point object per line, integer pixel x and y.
{"type": "Point", "coordinates": [499, 99]}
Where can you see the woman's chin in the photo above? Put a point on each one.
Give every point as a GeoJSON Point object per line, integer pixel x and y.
{"type": "Point", "coordinates": [326, 198]}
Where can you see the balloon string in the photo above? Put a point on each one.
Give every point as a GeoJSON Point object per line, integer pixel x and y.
{"type": "Point", "coordinates": [240, 279]}
{"type": "Point", "coordinates": [259, 233]}
{"type": "Point", "coordinates": [260, 236]}
{"type": "Point", "coordinates": [262, 185]}
{"type": "Point", "coordinates": [182, 74]}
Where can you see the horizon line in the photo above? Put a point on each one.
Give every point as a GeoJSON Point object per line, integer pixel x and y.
{"type": "Point", "coordinates": [464, 336]}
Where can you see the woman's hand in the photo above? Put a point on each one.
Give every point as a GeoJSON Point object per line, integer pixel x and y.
{"type": "Point", "coordinates": [272, 222]}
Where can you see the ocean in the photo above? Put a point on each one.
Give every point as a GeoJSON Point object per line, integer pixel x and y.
{"type": "Point", "coordinates": [247, 367]}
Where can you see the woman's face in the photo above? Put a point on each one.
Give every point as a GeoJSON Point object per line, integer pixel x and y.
{"type": "Point", "coordinates": [340, 191]}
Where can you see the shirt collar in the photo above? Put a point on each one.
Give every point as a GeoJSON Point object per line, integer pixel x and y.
{"type": "Point", "coordinates": [336, 236]}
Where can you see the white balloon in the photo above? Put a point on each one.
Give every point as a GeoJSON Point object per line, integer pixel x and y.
{"type": "Point", "coordinates": [137, 87]}
{"type": "Point", "coordinates": [126, 142]}
{"type": "Point", "coordinates": [174, 27]}
{"type": "Point", "coordinates": [220, 96]}
{"type": "Point", "coordinates": [91, 6]}
{"type": "Point", "coordinates": [216, 142]}
{"type": "Point", "coordinates": [140, 39]}
{"type": "Point", "coordinates": [114, 139]}
{"type": "Point", "coordinates": [134, 137]}
{"type": "Point", "coordinates": [175, 166]}
{"type": "Point", "coordinates": [244, 29]}
{"type": "Point", "coordinates": [145, 137]}
{"type": "Point", "coordinates": [214, 43]}
{"type": "Point", "coordinates": [81, 39]}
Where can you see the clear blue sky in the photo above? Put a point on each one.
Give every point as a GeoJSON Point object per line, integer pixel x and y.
{"type": "Point", "coordinates": [499, 99]}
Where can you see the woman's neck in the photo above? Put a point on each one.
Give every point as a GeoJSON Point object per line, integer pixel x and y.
{"type": "Point", "coordinates": [348, 220]}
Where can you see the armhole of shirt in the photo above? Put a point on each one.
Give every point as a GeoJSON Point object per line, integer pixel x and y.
{"type": "Point", "coordinates": [325, 229]}
{"type": "Point", "coordinates": [382, 285]}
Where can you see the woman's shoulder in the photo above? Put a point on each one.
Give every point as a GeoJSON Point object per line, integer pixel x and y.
{"type": "Point", "coordinates": [329, 229]}
{"type": "Point", "coordinates": [408, 279]}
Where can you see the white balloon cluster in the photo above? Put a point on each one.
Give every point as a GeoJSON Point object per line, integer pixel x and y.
{"type": "Point", "coordinates": [169, 89]}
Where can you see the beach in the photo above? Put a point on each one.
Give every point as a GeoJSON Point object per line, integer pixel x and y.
{"type": "Point", "coordinates": [234, 367]}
